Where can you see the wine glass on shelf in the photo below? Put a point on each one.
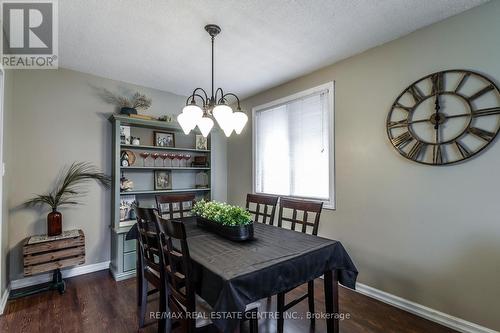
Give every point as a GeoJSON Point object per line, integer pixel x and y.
{"type": "Point", "coordinates": [155, 156]}
{"type": "Point", "coordinates": [163, 156]}
{"type": "Point", "coordinates": [171, 157]}
{"type": "Point", "coordinates": [187, 157]}
{"type": "Point", "coordinates": [144, 156]}
{"type": "Point", "coordinates": [179, 158]}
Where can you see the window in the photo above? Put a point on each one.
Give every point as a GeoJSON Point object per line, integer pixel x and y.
{"type": "Point", "coordinates": [293, 146]}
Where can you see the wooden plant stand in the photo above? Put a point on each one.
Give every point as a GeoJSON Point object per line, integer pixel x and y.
{"type": "Point", "coordinates": [44, 254]}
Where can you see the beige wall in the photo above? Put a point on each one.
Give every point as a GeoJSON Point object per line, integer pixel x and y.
{"type": "Point", "coordinates": [427, 234]}
{"type": "Point", "coordinates": [7, 156]}
{"type": "Point", "coordinates": [60, 118]}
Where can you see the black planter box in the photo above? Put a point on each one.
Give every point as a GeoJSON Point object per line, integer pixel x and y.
{"type": "Point", "coordinates": [235, 233]}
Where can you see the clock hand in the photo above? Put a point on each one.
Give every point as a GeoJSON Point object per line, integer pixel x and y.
{"type": "Point", "coordinates": [404, 123]}
{"type": "Point", "coordinates": [437, 108]}
{"type": "Point", "coordinates": [459, 115]}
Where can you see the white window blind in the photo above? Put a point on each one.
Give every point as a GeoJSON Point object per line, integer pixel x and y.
{"type": "Point", "coordinates": [292, 147]}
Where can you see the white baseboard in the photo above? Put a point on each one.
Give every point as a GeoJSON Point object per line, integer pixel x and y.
{"type": "Point", "coordinates": [66, 273]}
{"type": "Point", "coordinates": [3, 300]}
{"type": "Point", "coordinates": [444, 319]}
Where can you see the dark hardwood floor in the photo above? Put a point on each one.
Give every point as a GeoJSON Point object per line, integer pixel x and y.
{"type": "Point", "coordinates": [95, 303]}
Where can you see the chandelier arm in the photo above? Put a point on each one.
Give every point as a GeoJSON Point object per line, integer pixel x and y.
{"type": "Point", "coordinates": [191, 98]}
{"type": "Point", "coordinates": [221, 93]}
{"type": "Point", "coordinates": [204, 93]}
{"type": "Point", "coordinates": [202, 99]}
{"type": "Point", "coordinates": [223, 98]}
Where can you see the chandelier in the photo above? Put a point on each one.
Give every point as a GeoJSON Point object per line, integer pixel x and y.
{"type": "Point", "coordinates": [216, 106]}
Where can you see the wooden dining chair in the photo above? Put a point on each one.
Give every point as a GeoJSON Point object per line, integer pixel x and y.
{"type": "Point", "coordinates": [150, 263]}
{"type": "Point", "coordinates": [303, 216]}
{"type": "Point", "coordinates": [262, 206]}
{"type": "Point", "coordinates": [182, 298]}
{"type": "Point", "coordinates": [175, 205]}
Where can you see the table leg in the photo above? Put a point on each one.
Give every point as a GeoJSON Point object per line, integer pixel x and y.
{"type": "Point", "coordinates": [331, 301]}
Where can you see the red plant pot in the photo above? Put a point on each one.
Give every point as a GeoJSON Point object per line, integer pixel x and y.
{"type": "Point", "coordinates": [54, 223]}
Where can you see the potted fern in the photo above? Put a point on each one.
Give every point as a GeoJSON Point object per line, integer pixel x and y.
{"type": "Point", "coordinates": [231, 222]}
{"type": "Point", "coordinates": [69, 187]}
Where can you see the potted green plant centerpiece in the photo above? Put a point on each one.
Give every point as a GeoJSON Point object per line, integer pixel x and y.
{"type": "Point", "coordinates": [69, 187]}
{"type": "Point", "coordinates": [231, 222]}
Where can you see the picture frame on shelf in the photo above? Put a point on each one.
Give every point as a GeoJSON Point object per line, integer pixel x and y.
{"type": "Point", "coordinates": [201, 142]}
{"type": "Point", "coordinates": [125, 135]}
{"type": "Point", "coordinates": [164, 139]}
{"type": "Point", "coordinates": [127, 203]}
{"type": "Point", "coordinates": [163, 179]}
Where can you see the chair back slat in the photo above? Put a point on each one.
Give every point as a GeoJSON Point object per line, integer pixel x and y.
{"type": "Point", "coordinates": [306, 208]}
{"type": "Point", "coordinates": [179, 205]}
{"type": "Point", "coordinates": [182, 297]}
{"type": "Point", "coordinates": [149, 240]}
{"type": "Point", "coordinates": [267, 202]}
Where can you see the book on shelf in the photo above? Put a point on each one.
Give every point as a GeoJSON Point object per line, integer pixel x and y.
{"type": "Point", "coordinates": [141, 116]}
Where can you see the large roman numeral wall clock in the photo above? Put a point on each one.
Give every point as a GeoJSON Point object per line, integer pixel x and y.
{"type": "Point", "coordinates": [445, 117]}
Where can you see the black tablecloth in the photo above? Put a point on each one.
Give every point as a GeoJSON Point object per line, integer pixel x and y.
{"type": "Point", "coordinates": [229, 275]}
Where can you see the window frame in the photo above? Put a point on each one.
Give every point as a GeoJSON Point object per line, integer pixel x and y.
{"type": "Point", "coordinates": [330, 86]}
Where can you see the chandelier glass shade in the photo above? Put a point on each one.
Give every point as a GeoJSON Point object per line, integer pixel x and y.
{"type": "Point", "coordinates": [205, 124]}
{"type": "Point", "coordinates": [239, 121]}
{"type": "Point", "coordinates": [216, 106]}
{"type": "Point", "coordinates": [189, 118]}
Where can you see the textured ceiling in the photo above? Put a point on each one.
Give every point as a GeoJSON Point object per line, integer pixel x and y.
{"type": "Point", "coordinates": [162, 44]}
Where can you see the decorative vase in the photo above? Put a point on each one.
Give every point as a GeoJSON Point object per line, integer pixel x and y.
{"type": "Point", "coordinates": [54, 223]}
{"type": "Point", "coordinates": [128, 111]}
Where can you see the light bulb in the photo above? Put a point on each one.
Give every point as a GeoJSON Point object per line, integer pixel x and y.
{"type": "Point", "coordinates": [187, 123]}
{"type": "Point", "coordinates": [205, 124]}
{"type": "Point", "coordinates": [239, 121]}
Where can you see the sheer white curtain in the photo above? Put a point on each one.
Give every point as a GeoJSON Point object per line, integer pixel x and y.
{"type": "Point", "coordinates": [292, 148]}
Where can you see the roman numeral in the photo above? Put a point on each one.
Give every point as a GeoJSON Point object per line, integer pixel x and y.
{"type": "Point", "coordinates": [486, 112]}
{"type": "Point", "coordinates": [481, 92]}
{"type": "Point", "coordinates": [462, 150]}
{"type": "Point", "coordinates": [402, 140]}
{"type": "Point", "coordinates": [398, 124]}
{"type": "Point", "coordinates": [416, 93]}
{"type": "Point", "coordinates": [462, 81]}
{"type": "Point", "coordinates": [480, 133]}
{"type": "Point", "coordinates": [437, 83]}
{"type": "Point", "coordinates": [416, 150]}
{"type": "Point", "coordinates": [437, 155]}
{"type": "Point", "coordinates": [403, 107]}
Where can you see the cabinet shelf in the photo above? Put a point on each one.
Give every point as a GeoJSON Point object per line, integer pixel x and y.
{"type": "Point", "coordinates": [165, 191]}
{"type": "Point", "coordinates": [183, 179]}
{"type": "Point", "coordinates": [144, 147]}
{"type": "Point", "coordinates": [161, 168]}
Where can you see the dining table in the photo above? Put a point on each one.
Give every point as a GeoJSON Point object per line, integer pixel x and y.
{"type": "Point", "coordinates": [229, 275]}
